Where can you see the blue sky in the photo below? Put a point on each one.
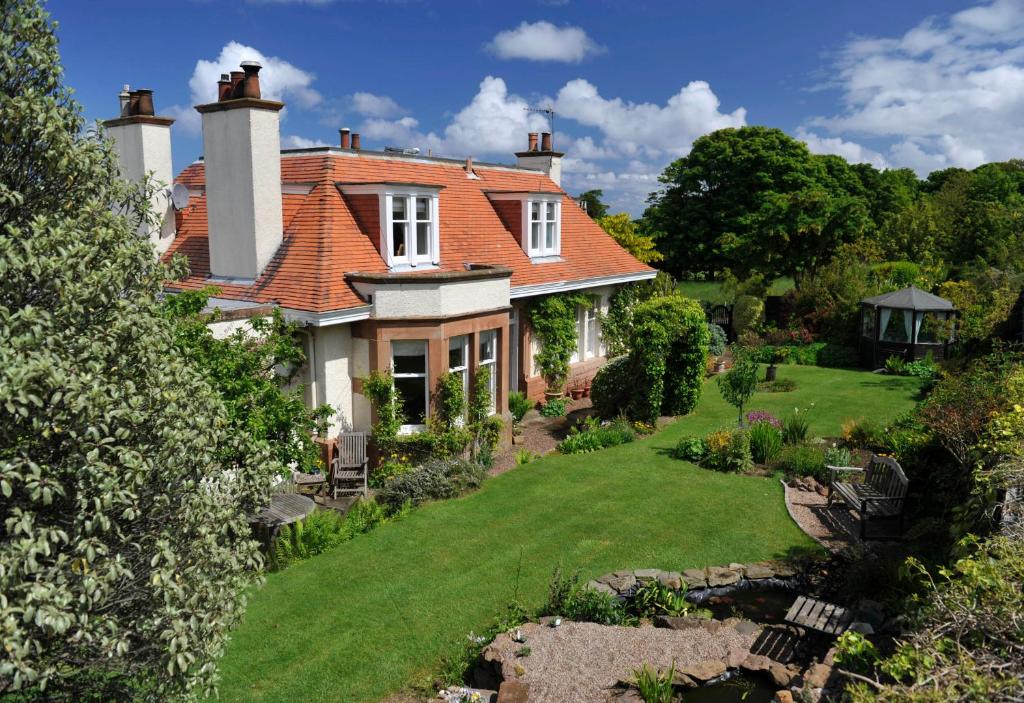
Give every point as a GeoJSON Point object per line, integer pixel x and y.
{"type": "Point", "coordinates": [918, 84]}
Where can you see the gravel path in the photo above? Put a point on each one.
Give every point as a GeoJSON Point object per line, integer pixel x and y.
{"type": "Point", "coordinates": [581, 662]}
{"type": "Point", "coordinates": [833, 528]}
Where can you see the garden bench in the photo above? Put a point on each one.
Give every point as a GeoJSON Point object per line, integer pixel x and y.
{"type": "Point", "coordinates": [881, 494]}
{"type": "Point", "coordinates": [348, 469]}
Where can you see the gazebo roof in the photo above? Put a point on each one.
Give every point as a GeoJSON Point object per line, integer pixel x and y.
{"type": "Point", "coordinates": [912, 298]}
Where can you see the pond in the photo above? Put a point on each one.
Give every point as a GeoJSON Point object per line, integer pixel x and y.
{"type": "Point", "coordinates": [763, 605]}
{"type": "Point", "coordinates": [745, 688]}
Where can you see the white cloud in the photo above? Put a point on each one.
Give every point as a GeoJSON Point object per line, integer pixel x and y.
{"type": "Point", "coordinates": [851, 151]}
{"type": "Point", "coordinates": [375, 105]}
{"type": "Point", "coordinates": [293, 141]}
{"type": "Point", "coordinates": [279, 80]}
{"type": "Point", "coordinates": [950, 90]}
{"type": "Point", "coordinates": [655, 130]}
{"type": "Point", "coordinates": [543, 41]}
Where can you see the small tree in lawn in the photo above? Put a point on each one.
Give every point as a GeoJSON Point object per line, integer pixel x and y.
{"type": "Point", "coordinates": [739, 383]}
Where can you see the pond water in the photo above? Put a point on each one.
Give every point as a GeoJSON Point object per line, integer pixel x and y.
{"type": "Point", "coordinates": [739, 688]}
{"type": "Point", "coordinates": [764, 605]}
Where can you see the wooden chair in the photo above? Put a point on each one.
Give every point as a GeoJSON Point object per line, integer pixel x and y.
{"type": "Point", "coordinates": [348, 469]}
{"type": "Point", "coordinates": [882, 493]}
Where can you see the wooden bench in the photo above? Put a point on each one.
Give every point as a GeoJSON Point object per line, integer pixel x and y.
{"type": "Point", "coordinates": [881, 494]}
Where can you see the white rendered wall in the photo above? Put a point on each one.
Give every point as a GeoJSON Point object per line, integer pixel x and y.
{"type": "Point", "coordinates": [145, 149]}
{"type": "Point", "coordinates": [242, 151]}
{"type": "Point", "coordinates": [332, 380]}
{"type": "Point", "coordinates": [552, 165]}
{"type": "Point", "coordinates": [437, 298]}
{"type": "Point", "coordinates": [225, 328]}
{"type": "Point", "coordinates": [361, 410]}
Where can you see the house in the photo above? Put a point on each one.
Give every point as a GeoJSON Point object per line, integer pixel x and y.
{"type": "Point", "coordinates": [388, 260]}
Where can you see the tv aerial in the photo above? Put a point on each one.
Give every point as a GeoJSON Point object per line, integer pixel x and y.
{"type": "Point", "coordinates": [548, 112]}
{"type": "Point", "coordinates": [179, 196]}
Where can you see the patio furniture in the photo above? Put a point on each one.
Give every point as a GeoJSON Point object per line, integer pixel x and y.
{"type": "Point", "coordinates": [908, 323]}
{"type": "Point", "coordinates": [349, 467]}
{"type": "Point", "coordinates": [881, 494]}
{"type": "Point", "coordinates": [306, 481]}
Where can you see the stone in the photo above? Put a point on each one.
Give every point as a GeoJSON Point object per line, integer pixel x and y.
{"type": "Point", "coordinates": [781, 674]}
{"type": "Point", "coordinates": [683, 681]}
{"type": "Point", "coordinates": [862, 627]}
{"type": "Point", "coordinates": [746, 627]}
{"type": "Point", "coordinates": [625, 695]}
{"type": "Point", "coordinates": [756, 662]}
{"type": "Point", "coordinates": [520, 670]}
{"type": "Point", "coordinates": [711, 626]}
{"type": "Point", "coordinates": [672, 579]}
{"type": "Point", "coordinates": [783, 696]}
{"type": "Point", "coordinates": [783, 570]}
{"type": "Point", "coordinates": [695, 578]}
{"type": "Point", "coordinates": [514, 692]}
{"type": "Point", "coordinates": [736, 657]}
{"type": "Point", "coordinates": [758, 571]}
{"type": "Point", "coordinates": [721, 576]}
{"type": "Point", "coordinates": [818, 675]}
{"type": "Point", "coordinates": [677, 623]}
{"type": "Point", "coordinates": [704, 670]}
{"type": "Point", "coordinates": [822, 491]}
{"type": "Point", "coordinates": [871, 612]}
{"type": "Point", "coordinates": [621, 581]}
{"type": "Point", "coordinates": [601, 588]}
{"type": "Point", "coordinates": [644, 575]}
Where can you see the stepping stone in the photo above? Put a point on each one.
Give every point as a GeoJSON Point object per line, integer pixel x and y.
{"type": "Point", "coordinates": [704, 670]}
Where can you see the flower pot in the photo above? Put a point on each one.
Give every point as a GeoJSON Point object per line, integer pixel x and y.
{"type": "Point", "coordinates": [576, 393]}
{"type": "Point", "coordinates": [586, 391]}
{"type": "Point", "coordinates": [720, 366]}
{"type": "Point", "coordinates": [770, 372]}
{"type": "Point", "coordinates": [553, 395]}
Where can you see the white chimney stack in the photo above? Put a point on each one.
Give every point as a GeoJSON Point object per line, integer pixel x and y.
{"type": "Point", "coordinates": [242, 153]}
{"type": "Point", "coordinates": [542, 157]}
{"type": "Point", "coordinates": [143, 144]}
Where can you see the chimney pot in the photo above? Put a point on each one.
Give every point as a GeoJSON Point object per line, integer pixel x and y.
{"type": "Point", "coordinates": [355, 140]}
{"type": "Point", "coordinates": [545, 141]}
{"type": "Point", "coordinates": [123, 99]}
{"type": "Point", "coordinates": [533, 141]}
{"type": "Point", "coordinates": [469, 164]}
{"type": "Point", "coordinates": [236, 83]}
{"type": "Point", "coordinates": [224, 87]}
{"type": "Point", "coordinates": [133, 102]}
{"type": "Point", "coordinates": [145, 104]}
{"type": "Point", "coordinates": [345, 140]}
{"type": "Point", "coordinates": [251, 81]}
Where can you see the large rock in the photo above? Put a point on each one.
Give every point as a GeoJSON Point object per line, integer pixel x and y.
{"type": "Point", "coordinates": [625, 695]}
{"type": "Point", "coordinates": [704, 670]}
{"type": "Point", "coordinates": [695, 578]}
{"type": "Point", "coordinates": [781, 674]}
{"type": "Point", "coordinates": [514, 692]}
{"type": "Point", "coordinates": [746, 627]}
{"type": "Point", "coordinates": [672, 579]}
{"type": "Point", "coordinates": [682, 680]}
{"type": "Point", "coordinates": [818, 675]}
{"type": "Point", "coordinates": [645, 575]}
{"type": "Point", "coordinates": [758, 571]}
{"type": "Point", "coordinates": [736, 657]}
{"type": "Point", "coordinates": [621, 581]}
{"type": "Point", "coordinates": [783, 696]}
{"type": "Point", "coordinates": [756, 662]}
{"type": "Point", "coordinates": [783, 570]}
{"type": "Point", "coordinates": [722, 576]}
{"type": "Point", "coordinates": [601, 587]}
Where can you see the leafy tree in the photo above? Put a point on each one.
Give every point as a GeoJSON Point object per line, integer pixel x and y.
{"type": "Point", "coordinates": [253, 371]}
{"type": "Point", "coordinates": [595, 208]}
{"type": "Point", "coordinates": [739, 383]}
{"type": "Point", "coordinates": [125, 552]}
{"type": "Point", "coordinates": [754, 200]}
{"type": "Point", "coordinates": [624, 230]}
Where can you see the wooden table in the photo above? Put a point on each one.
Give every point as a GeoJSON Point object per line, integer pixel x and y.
{"type": "Point", "coordinates": [818, 615]}
{"type": "Point", "coordinates": [284, 509]}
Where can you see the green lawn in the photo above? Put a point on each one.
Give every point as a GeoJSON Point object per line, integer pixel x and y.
{"type": "Point", "coordinates": [362, 621]}
{"type": "Point", "coordinates": [711, 291]}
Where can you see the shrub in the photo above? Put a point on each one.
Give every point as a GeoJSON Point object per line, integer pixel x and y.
{"type": "Point", "coordinates": [765, 441]}
{"type": "Point", "coordinates": [922, 368]}
{"type": "Point", "coordinates": [862, 433]}
{"type": "Point", "coordinates": [739, 383]}
{"type": "Point", "coordinates": [755, 416]}
{"type": "Point", "coordinates": [386, 470]}
{"type": "Point", "coordinates": [525, 456]}
{"type": "Point", "coordinates": [568, 599]}
{"type": "Point", "coordinates": [611, 388]}
{"type": "Point", "coordinates": [553, 318]}
{"type": "Point", "coordinates": [896, 366]}
{"type": "Point", "coordinates": [803, 460]}
{"type": "Point", "coordinates": [593, 436]}
{"type": "Point", "coordinates": [322, 530]}
{"type": "Point", "coordinates": [779, 385]}
{"type": "Point", "coordinates": [553, 408]}
{"type": "Point", "coordinates": [813, 354]}
{"type": "Point", "coordinates": [518, 405]}
{"type": "Point", "coordinates": [655, 686]}
{"type": "Point", "coordinates": [795, 427]}
{"type": "Point", "coordinates": [655, 598]}
{"type": "Point", "coordinates": [838, 456]}
{"type": "Point", "coordinates": [717, 340]}
{"type": "Point", "coordinates": [690, 449]}
{"type": "Point", "coordinates": [434, 480]}
{"type": "Point", "coordinates": [729, 451]}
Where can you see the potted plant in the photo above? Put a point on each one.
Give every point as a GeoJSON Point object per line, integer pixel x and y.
{"type": "Point", "coordinates": [586, 387]}
{"type": "Point", "coordinates": [576, 392]}
{"type": "Point", "coordinates": [778, 357]}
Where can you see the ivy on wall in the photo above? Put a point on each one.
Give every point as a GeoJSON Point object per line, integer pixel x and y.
{"type": "Point", "coordinates": [553, 318]}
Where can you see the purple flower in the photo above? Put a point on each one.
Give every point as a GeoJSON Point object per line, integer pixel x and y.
{"type": "Point", "coordinates": [755, 416]}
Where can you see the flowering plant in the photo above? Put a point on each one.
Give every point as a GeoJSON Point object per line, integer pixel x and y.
{"type": "Point", "coordinates": [755, 416]}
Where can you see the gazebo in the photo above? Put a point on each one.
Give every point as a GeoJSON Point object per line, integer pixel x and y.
{"type": "Point", "coordinates": [907, 323]}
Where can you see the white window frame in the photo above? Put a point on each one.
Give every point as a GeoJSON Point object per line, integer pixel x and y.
{"type": "Point", "coordinates": [588, 341]}
{"type": "Point", "coordinates": [493, 364]}
{"type": "Point", "coordinates": [414, 428]}
{"type": "Point", "coordinates": [386, 195]}
{"type": "Point", "coordinates": [527, 201]}
{"type": "Point", "coordinates": [462, 341]}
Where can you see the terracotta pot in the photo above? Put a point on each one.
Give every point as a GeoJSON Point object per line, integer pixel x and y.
{"type": "Point", "coordinates": [553, 395]}
{"type": "Point", "coordinates": [586, 391]}
{"type": "Point", "coordinates": [576, 393]}
{"type": "Point", "coordinates": [770, 373]}
{"type": "Point", "coordinates": [720, 366]}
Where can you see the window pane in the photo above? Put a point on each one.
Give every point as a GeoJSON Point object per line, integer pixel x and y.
{"type": "Point", "coordinates": [580, 332]}
{"type": "Point", "coordinates": [535, 235]}
{"type": "Point", "coordinates": [398, 238]}
{"type": "Point", "coordinates": [423, 239]}
{"type": "Point", "coordinates": [413, 392]}
{"type": "Point", "coordinates": [457, 352]}
{"type": "Point", "coordinates": [592, 332]}
{"type": "Point", "coordinates": [534, 211]}
{"type": "Point", "coordinates": [422, 208]}
{"type": "Point", "coordinates": [549, 236]}
{"type": "Point", "coordinates": [409, 357]}
{"type": "Point", "coordinates": [398, 211]}
{"type": "Point", "coordinates": [487, 345]}
{"type": "Point", "coordinates": [551, 211]}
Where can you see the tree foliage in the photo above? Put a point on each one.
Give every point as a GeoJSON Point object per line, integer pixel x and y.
{"type": "Point", "coordinates": [124, 486]}
{"type": "Point", "coordinates": [739, 383]}
{"type": "Point", "coordinates": [627, 232]}
{"type": "Point", "coordinates": [595, 208]}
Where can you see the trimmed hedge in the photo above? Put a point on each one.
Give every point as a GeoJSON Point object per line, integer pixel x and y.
{"type": "Point", "coordinates": [814, 354]}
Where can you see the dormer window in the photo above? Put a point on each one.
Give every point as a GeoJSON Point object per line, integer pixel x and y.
{"type": "Point", "coordinates": [410, 231]}
{"type": "Point", "coordinates": [540, 227]}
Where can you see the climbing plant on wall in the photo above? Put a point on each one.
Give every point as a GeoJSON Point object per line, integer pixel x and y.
{"type": "Point", "coordinates": [553, 318]}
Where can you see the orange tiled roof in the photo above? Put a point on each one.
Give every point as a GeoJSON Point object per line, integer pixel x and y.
{"type": "Point", "coordinates": [323, 239]}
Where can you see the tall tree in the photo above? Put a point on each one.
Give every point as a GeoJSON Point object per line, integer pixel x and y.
{"type": "Point", "coordinates": [125, 551]}
{"type": "Point", "coordinates": [627, 232]}
{"type": "Point", "coordinates": [592, 199]}
{"type": "Point", "coordinates": [754, 200]}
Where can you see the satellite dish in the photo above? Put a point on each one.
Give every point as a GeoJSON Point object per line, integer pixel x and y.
{"type": "Point", "coordinates": [179, 196]}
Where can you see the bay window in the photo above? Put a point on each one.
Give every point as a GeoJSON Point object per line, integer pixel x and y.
{"type": "Point", "coordinates": [409, 362]}
{"type": "Point", "coordinates": [458, 364]}
{"type": "Point", "coordinates": [489, 360]}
